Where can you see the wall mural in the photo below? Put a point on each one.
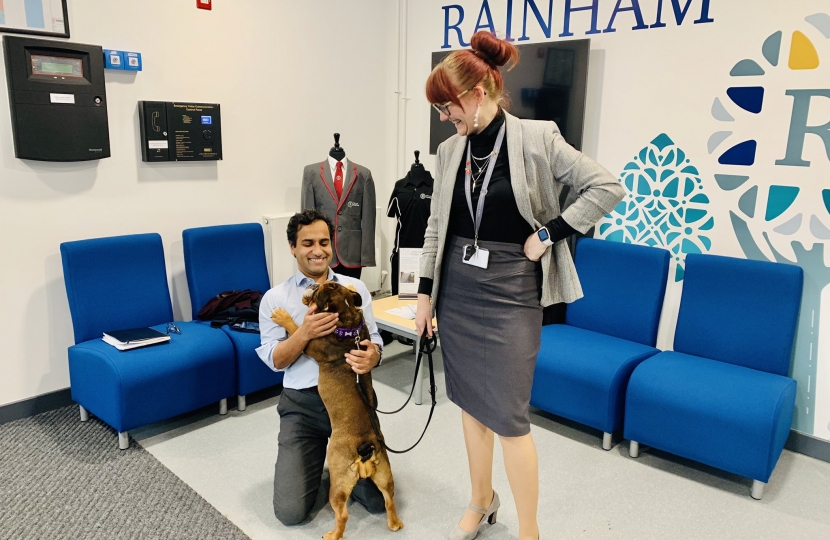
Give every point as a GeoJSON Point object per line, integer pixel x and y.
{"type": "Point", "coordinates": [790, 207]}
{"type": "Point", "coordinates": [778, 207]}
{"type": "Point", "coordinates": [665, 205]}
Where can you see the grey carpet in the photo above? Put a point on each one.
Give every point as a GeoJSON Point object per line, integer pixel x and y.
{"type": "Point", "coordinates": [61, 479]}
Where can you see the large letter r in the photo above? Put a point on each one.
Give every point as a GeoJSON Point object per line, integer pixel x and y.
{"type": "Point", "coordinates": [799, 128]}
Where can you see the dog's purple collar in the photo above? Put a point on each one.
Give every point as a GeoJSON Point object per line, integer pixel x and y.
{"type": "Point", "coordinates": [349, 333]}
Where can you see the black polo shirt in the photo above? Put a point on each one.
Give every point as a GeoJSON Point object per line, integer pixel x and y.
{"type": "Point", "coordinates": [410, 205]}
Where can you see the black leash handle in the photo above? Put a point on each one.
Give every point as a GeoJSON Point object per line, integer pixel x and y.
{"type": "Point", "coordinates": [428, 345]}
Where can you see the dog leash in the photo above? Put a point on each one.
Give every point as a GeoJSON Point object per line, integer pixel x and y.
{"type": "Point", "coordinates": [428, 345]}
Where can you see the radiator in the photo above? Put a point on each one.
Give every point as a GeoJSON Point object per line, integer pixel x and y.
{"type": "Point", "coordinates": [373, 276]}
{"type": "Point", "coordinates": [281, 264]}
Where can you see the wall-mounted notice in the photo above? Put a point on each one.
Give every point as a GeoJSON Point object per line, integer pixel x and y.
{"type": "Point", "coordinates": [39, 17]}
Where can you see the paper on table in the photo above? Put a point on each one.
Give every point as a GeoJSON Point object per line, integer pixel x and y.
{"type": "Point", "coordinates": [407, 312]}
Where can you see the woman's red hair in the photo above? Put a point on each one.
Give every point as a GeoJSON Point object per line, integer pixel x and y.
{"type": "Point", "coordinates": [463, 70]}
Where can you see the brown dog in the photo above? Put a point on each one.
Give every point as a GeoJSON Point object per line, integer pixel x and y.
{"type": "Point", "coordinates": [354, 450]}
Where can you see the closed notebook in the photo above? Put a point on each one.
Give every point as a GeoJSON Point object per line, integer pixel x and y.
{"type": "Point", "coordinates": [135, 335]}
{"type": "Point", "coordinates": [124, 340]}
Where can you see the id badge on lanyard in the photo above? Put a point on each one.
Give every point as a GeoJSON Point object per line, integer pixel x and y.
{"type": "Point", "coordinates": [476, 256]}
{"type": "Point", "coordinates": [472, 253]}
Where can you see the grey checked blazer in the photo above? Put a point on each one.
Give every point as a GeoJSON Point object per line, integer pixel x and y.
{"type": "Point", "coordinates": [353, 215]}
{"type": "Point", "coordinates": [541, 162]}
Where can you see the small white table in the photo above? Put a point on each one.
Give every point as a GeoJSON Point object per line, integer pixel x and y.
{"type": "Point", "coordinates": [401, 327]}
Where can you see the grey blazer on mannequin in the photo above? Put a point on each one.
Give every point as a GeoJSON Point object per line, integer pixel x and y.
{"type": "Point", "coordinates": [353, 214]}
{"type": "Point", "coordinates": [541, 162]}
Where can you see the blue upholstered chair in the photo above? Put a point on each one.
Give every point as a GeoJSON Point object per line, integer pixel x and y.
{"type": "Point", "coordinates": [226, 258]}
{"type": "Point", "coordinates": [722, 397]}
{"type": "Point", "coordinates": [583, 365]}
{"type": "Point", "coordinates": [120, 283]}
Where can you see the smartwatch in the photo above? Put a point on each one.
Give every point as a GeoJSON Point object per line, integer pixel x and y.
{"type": "Point", "coordinates": [544, 236]}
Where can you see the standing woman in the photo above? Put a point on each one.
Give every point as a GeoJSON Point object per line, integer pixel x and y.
{"type": "Point", "coordinates": [492, 259]}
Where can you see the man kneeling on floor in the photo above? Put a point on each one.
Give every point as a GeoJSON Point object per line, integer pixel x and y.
{"type": "Point", "coordinates": [304, 422]}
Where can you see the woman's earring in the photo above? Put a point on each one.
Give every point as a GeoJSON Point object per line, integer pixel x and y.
{"type": "Point", "coordinates": [475, 120]}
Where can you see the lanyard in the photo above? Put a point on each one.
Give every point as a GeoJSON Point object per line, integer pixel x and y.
{"type": "Point", "coordinates": [468, 173]}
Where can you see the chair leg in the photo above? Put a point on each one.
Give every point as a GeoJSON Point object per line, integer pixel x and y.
{"type": "Point", "coordinates": [123, 440]}
{"type": "Point", "coordinates": [241, 404]}
{"type": "Point", "coordinates": [757, 489]}
{"type": "Point", "coordinates": [607, 441]}
{"type": "Point", "coordinates": [223, 406]}
{"type": "Point", "coordinates": [84, 413]}
{"type": "Point", "coordinates": [634, 449]}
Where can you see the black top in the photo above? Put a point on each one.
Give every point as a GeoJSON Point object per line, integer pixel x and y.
{"type": "Point", "coordinates": [410, 204]}
{"type": "Point", "coordinates": [501, 220]}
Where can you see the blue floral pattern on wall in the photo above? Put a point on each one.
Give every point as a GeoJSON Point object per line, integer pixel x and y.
{"type": "Point", "coordinates": [665, 204]}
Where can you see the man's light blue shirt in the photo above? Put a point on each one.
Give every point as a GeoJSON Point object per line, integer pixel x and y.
{"type": "Point", "coordinates": [304, 372]}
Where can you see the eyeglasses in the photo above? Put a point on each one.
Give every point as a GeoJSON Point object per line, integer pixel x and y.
{"type": "Point", "coordinates": [173, 328]}
{"type": "Point", "coordinates": [445, 107]}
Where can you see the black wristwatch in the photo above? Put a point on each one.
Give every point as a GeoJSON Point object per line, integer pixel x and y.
{"type": "Point", "coordinates": [380, 352]}
{"type": "Point", "coordinates": [544, 236]}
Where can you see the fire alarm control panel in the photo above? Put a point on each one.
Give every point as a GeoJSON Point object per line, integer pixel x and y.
{"type": "Point", "coordinates": [58, 99]}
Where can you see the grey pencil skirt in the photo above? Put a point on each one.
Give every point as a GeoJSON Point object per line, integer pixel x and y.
{"type": "Point", "coordinates": [490, 323]}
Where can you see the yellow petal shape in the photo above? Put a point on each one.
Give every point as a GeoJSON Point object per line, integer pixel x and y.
{"type": "Point", "coordinates": [803, 54]}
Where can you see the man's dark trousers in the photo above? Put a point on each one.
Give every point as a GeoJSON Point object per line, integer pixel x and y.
{"type": "Point", "coordinates": [305, 429]}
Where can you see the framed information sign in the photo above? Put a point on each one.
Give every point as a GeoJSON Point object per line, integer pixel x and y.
{"type": "Point", "coordinates": [37, 17]}
{"type": "Point", "coordinates": [409, 273]}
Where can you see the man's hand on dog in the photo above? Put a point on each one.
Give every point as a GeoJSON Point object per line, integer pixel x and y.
{"type": "Point", "coordinates": [318, 324]}
{"type": "Point", "coordinates": [362, 361]}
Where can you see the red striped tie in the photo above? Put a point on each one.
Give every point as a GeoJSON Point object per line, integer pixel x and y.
{"type": "Point", "coordinates": [338, 179]}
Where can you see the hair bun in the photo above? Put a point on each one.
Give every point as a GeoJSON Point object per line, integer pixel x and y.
{"type": "Point", "coordinates": [493, 50]}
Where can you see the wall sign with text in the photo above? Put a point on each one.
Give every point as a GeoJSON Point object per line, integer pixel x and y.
{"type": "Point", "coordinates": [573, 17]}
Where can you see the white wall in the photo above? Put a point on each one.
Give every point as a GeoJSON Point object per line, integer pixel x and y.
{"type": "Point", "coordinates": [643, 83]}
{"type": "Point", "coordinates": [287, 75]}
